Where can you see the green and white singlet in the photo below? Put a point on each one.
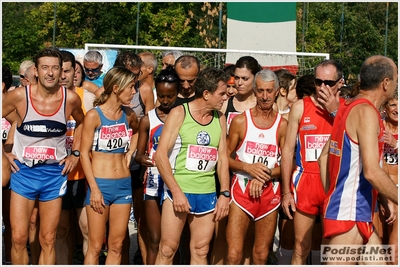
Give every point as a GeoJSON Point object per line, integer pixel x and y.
{"type": "Point", "coordinates": [195, 154]}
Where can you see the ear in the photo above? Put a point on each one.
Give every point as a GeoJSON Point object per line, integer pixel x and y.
{"type": "Point", "coordinates": [385, 84]}
{"type": "Point", "coordinates": [35, 72]}
{"type": "Point", "coordinates": [150, 69]}
{"type": "Point", "coordinates": [341, 83]}
{"type": "Point", "coordinates": [115, 88]}
{"type": "Point", "coordinates": [282, 91]}
{"type": "Point", "coordinates": [206, 95]}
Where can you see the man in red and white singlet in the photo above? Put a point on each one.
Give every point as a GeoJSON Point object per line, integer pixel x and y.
{"type": "Point", "coordinates": [255, 189]}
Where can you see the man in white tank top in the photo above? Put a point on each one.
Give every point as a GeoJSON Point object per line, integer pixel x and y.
{"type": "Point", "coordinates": [41, 159]}
{"type": "Point", "coordinates": [256, 136]}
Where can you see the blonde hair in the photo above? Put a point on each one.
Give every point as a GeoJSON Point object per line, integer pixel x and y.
{"type": "Point", "coordinates": [120, 76]}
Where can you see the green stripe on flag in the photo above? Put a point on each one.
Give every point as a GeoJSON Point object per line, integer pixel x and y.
{"type": "Point", "coordinates": [262, 12]}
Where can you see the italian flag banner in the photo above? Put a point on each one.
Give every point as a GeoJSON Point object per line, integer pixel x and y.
{"type": "Point", "coordinates": [263, 26]}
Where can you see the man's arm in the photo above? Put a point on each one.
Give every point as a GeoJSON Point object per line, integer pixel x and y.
{"type": "Point", "coordinates": [366, 133]}
{"type": "Point", "coordinates": [288, 153]}
{"type": "Point", "coordinates": [142, 156]}
{"type": "Point", "coordinates": [74, 106]}
{"type": "Point", "coordinates": [222, 206]}
{"type": "Point", "coordinates": [89, 86]}
{"type": "Point", "coordinates": [323, 165]}
{"type": "Point", "coordinates": [167, 140]}
{"type": "Point", "coordinates": [147, 95]}
{"type": "Point", "coordinates": [11, 100]}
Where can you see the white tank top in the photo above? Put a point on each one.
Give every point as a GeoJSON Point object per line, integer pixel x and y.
{"type": "Point", "coordinates": [259, 145]}
{"type": "Point", "coordinates": [40, 139]}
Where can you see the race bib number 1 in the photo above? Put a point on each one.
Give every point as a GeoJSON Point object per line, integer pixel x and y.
{"type": "Point", "coordinates": [314, 144]}
{"type": "Point", "coordinates": [201, 158]}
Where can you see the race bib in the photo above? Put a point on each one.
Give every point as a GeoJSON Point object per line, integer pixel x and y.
{"type": "Point", "coordinates": [229, 119]}
{"type": "Point", "coordinates": [390, 155]}
{"type": "Point", "coordinates": [5, 128]}
{"type": "Point", "coordinates": [201, 158]}
{"type": "Point", "coordinates": [39, 154]}
{"type": "Point", "coordinates": [260, 152]}
{"type": "Point", "coordinates": [113, 137]}
{"type": "Point", "coordinates": [130, 133]}
{"type": "Point", "coordinates": [314, 143]}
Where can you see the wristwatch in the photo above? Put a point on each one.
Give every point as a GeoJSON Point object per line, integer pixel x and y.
{"type": "Point", "coordinates": [76, 153]}
{"type": "Point", "coordinates": [225, 193]}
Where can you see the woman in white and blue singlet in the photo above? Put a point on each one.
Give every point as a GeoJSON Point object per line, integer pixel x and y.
{"type": "Point", "coordinates": [108, 131]}
{"type": "Point", "coordinates": [150, 127]}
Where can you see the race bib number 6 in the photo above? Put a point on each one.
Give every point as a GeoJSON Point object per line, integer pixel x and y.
{"type": "Point", "coordinates": [39, 154]}
{"type": "Point", "coordinates": [314, 143]}
{"type": "Point", "coordinates": [201, 158]}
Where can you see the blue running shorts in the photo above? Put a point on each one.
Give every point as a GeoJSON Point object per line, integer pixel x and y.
{"type": "Point", "coordinates": [200, 203]}
{"type": "Point", "coordinates": [115, 191]}
{"type": "Point", "coordinates": [44, 181]}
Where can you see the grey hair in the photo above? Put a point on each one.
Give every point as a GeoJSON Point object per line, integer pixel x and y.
{"type": "Point", "coordinates": [93, 56]}
{"type": "Point", "coordinates": [149, 60]}
{"type": "Point", "coordinates": [266, 76]}
{"type": "Point", "coordinates": [175, 53]}
{"type": "Point", "coordinates": [26, 64]}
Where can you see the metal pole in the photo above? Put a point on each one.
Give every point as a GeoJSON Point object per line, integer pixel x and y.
{"type": "Point", "coordinates": [219, 33]}
{"type": "Point", "coordinates": [303, 36]}
{"type": "Point", "coordinates": [54, 25]}
{"type": "Point", "coordinates": [137, 24]}
{"type": "Point", "coordinates": [341, 29]}
{"type": "Point", "coordinates": [386, 27]}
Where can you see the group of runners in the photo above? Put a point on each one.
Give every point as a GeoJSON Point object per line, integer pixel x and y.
{"type": "Point", "coordinates": [211, 171]}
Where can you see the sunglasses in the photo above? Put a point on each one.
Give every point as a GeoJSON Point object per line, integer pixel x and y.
{"type": "Point", "coordinates": [22, 76]}
{"type": "Point", "coordinates": [166, 78]}
{"type": "Point", "coordinates": [92, 70]}
{"type": "Point", "coordinates": [330, 83]}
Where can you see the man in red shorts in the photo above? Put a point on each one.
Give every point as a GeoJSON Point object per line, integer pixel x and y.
{"type": "Point", "coordinates": [309, 127]}
{"type": "Point", "coordinates": [355, 152]}
{"type": "Point", "coordinates": [255, 187]}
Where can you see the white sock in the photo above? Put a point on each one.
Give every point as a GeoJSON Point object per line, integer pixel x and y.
{"type": "Point", "coordinates": [284, 256]}
{"type": "Point", "coordinates": [316, 257]}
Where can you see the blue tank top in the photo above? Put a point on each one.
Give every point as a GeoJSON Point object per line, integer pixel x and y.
{"type": "Point", "coordinates": [112, 136]}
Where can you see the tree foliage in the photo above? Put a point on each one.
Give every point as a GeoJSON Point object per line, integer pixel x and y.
{"type": "Point", "coordinates": [349, 32]}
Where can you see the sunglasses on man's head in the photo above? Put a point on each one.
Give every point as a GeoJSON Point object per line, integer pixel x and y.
{"type": "Point", "coordinates": [166, 78]}
{"type": "Point", "coordinates": [331, 83]}
{"type": "Point", "coordinates": [92, 70]}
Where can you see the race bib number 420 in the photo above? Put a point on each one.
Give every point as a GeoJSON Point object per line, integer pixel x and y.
{"type": "Point", "coordinates": [113, 137]}
{"type": "Point", "coordinates": [201, 158]}
{"type": "Point", "coordinates": [314, 144]}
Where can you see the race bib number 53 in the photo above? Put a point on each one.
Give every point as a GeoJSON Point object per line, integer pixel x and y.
{"type": "Point", "coordinates": [201, 158]}
{"type": "Point", "coordinates": [314, 144]}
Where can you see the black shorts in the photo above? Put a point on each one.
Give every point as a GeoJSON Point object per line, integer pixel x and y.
{"type": "Point", "coordinates": [75, 196]}
{"type": "Point", "coordinates": [137, 177]}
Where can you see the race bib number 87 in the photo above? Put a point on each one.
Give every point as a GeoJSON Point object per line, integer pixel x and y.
{"type": "Point", "coordinates": [314, 144]}
{"type": "Point", "coordinates": [201, 158]}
